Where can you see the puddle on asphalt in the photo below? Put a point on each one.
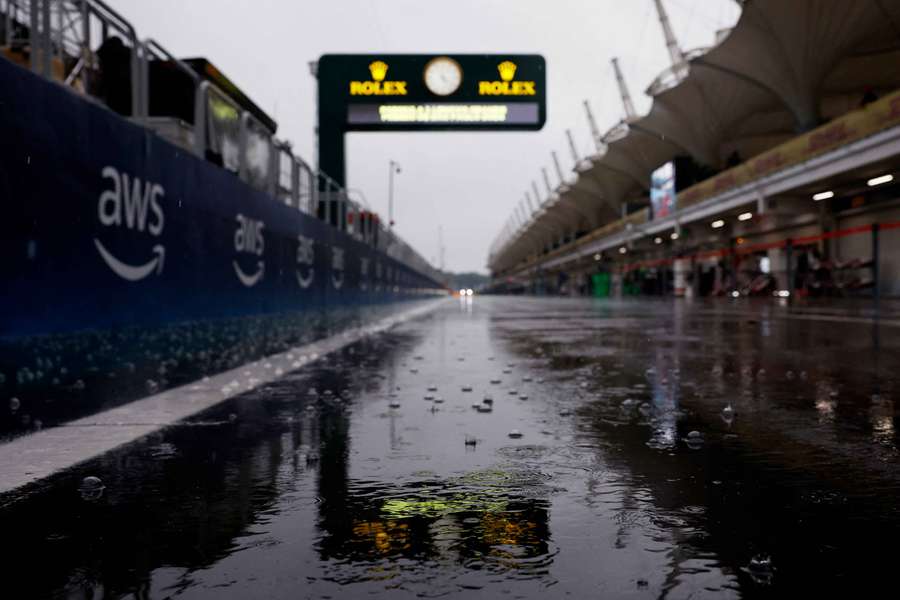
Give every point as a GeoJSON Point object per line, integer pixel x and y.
{"type": "Point", "coordinates": [680, 469]}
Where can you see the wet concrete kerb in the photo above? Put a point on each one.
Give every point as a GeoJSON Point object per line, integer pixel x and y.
{"type": "Point", "coordinates": [33, 457]}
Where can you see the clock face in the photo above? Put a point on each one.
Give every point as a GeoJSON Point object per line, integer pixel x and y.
{"type": "Point", "coordinates": [443, 76]}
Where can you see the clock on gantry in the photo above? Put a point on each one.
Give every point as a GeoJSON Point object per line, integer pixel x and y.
{"type": "Point", "coordinates": [443, 76]}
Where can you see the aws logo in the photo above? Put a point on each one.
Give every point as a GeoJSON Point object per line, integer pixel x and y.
{"type": "Point", "coordinates": [249, 239]}
{"type": "Point", "coordinates": [305, 259]}
{"type": "Point", "coordinates": [506, 87]}
{"type": "Point", "coordinates": [131, 206]}
{"type": "Point", "coordinates": [337, 267]}
{"type": "Point", "coordinates": [378, 86]}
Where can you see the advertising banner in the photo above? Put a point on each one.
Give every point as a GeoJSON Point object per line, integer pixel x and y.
{"type": "Point", "coordinates": [662, 190]}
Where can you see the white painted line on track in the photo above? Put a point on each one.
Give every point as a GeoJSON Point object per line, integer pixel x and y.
{"type": "Point", "coordinates": [39, 455]}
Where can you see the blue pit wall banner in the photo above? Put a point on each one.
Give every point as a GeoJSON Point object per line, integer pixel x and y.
{"type": "Point", "coordinates": [106, 224]}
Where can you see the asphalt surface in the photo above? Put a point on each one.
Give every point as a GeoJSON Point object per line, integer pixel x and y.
{"type": "Point", "coordinates": [642, 449]}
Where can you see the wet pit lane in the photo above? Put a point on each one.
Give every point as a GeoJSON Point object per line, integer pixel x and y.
{"type": "Point", "coordinates": [671, 450]}
{"type": "Point", "coordinates": [55, 379]}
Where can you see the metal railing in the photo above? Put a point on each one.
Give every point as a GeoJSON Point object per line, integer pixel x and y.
{"type": "Point", "coordinates": [58, 37]}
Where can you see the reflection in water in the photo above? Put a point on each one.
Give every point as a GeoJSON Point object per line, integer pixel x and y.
{"type": "Point", "coordinates": [826, 400]}
{"type": "Point", "coordinates": [882, 415]}
{"type": "Point", "coordinates": [317, 484]}
{"type": "Point", "coordinates": [446, 523]}
{"type": "Point", "coordinates": [186, 496]}
{"type": "Point", "coordinates": [664, 390]}
{"type": "Point", "coordinates": [768, 486]}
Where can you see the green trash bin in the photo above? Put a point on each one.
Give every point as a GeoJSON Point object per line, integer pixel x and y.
{"type": "Point", "coordinates": [600, 284]}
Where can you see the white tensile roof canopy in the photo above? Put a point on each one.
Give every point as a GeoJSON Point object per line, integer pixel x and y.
{"type": "Point", "coordinates": [785, 67]}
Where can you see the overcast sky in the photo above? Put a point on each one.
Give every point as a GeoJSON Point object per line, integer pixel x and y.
{"type": "Point", "coordinates": [468, 183]}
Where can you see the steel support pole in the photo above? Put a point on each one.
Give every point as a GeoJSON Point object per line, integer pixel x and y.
{"type": "Point", "coordinates": [328, 201]}
{"type": "Point", "coordinates": [876, 257]}
{"type": "Point", "coordinates": [391, 167]}
{"type": "Point", "coordinates": [391, 194]}
{"type": "Point", "coordinates": [559, 171]}
{"type": "Point", "coordinates": [47, 41]}
{"type": "Point", "coordinates": [572, 148]}
{"type": "Point", "coordinates": [33, 35]}
{"type": "Point", "coordinates": [595, 131]}
{"type": "Point", "coordinates": [547, 182]}
{"type": "Point", "coordinates": [695, 284]}
{"type": "Point", "coordinates": [537, 195]}
{"type": "Point", "coordinates": [789, 265]}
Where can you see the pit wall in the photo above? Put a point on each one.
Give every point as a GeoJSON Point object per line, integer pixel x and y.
{"type": "Point", "coordinates": [106, 224]}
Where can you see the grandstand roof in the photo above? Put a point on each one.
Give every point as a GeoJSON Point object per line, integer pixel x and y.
{"type": "Point", "coordinates": [784, 68]}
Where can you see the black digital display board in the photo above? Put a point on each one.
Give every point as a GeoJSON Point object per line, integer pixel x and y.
{"type": "Point", "coordinates": [425, 92]}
